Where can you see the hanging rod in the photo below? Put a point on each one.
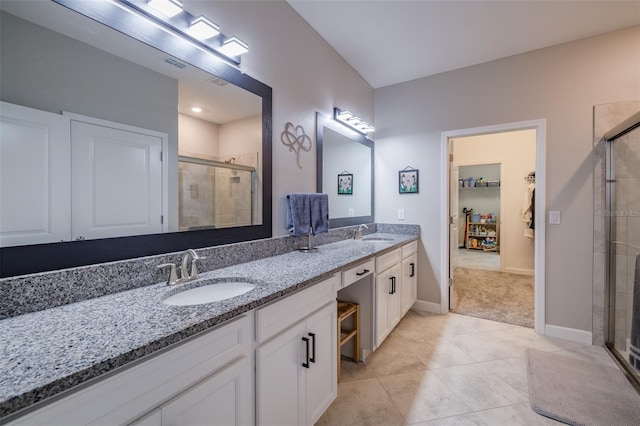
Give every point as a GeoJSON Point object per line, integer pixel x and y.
{"type": "Point", "coordinates": [625, 244]}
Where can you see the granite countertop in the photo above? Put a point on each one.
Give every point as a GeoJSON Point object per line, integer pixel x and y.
{"type": "Point", "coordinates": [44, 353]}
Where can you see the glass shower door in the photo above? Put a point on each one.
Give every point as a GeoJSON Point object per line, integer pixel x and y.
{"type": "Point", "coordinates": [623, 198]}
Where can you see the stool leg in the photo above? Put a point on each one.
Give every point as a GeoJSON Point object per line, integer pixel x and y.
{"type": "Point", "coordinates": [339, 347]}
{"type": "Point", "coordinates": [356, 348]}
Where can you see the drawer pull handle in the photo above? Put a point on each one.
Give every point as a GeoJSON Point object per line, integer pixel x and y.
{"type": "Point", "coordinates": [364, 271]}
{"type": "Point", "coordinates": [306, 341]}
{"type": "Point", "coordinates": [313, 347]}
{"type": "Point", "coordinates": [413, 270]}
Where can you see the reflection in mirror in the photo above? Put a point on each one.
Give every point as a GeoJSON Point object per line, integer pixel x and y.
{"type": "Point", "coordinates": [344, 152]}
{"type": "Point", "coordinates": [93, 124]}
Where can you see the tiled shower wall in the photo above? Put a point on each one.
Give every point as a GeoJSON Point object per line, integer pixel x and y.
{"type": "Point", "coordinates": [606, 117]}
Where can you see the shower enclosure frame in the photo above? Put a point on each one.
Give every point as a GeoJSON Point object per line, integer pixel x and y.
{"type": "Point", "coordinates": [610, 137]}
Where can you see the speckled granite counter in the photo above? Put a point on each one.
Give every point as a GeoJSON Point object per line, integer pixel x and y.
{"type": "Point", "coordinates": [44, 353]}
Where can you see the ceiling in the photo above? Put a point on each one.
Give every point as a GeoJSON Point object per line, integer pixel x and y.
{"type": "Point", "coordinates": [391, 41]}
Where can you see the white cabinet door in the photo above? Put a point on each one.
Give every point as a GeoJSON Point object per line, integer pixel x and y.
{"type": "Point", "coordinates": [296, 376]}
{"type": "Point", "coordinates": [321, 376]}
{"type": "Point", "coordinates": [279, 378]}
{"type": "Point", "coordinates": [221, 399]}
{"type": "Point", "coordinates": [35, 176]}
{"type": "Point", "coordinates": [116, 182]}
{"type": "Point", "coordinates": [388, 302]}
{"type": "Point", "coordinates": [409, 282]}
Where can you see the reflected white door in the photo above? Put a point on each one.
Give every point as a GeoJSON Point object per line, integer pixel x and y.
{"type": "Point", "coordinates": [453, 226]}
{"type": "Point", "coordinates": [116, 182]}
{"type": "Point", "coordinates": [35, 164]}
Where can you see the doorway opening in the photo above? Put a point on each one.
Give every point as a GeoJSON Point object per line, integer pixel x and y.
{"type": "Point", "coordinates": [489, 174]}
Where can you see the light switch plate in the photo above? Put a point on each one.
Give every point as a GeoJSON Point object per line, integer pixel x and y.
{"type": "Point", "coordinates": [554, 217]}
{"type": "Point", "coordinates": [400, 214]}
{"type": "Point", "coordinates": [352, 213]}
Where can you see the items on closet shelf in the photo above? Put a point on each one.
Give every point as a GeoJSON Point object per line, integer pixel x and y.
{"type": "Point", "coordinates": [307, 213]}
{"type": "Point", "coordinates": [529, 205]}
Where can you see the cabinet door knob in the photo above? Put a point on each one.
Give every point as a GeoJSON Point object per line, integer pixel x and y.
{"type": "Point", "coordinates": [313, 347]}
{"type": "Point", "coordinates": [306, 342]}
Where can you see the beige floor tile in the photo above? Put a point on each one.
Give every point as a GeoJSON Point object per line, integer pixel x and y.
{"type": "Point", "coordinates": [351, 371]}
{"type": "Point", "coordinates": [323, 420]}
{"type": "Point", "coordinates": [515, 415]}
{"type": "Point", "coordinates": [590, 353]}
{"type": "Point", "coordinates": [423, 396]}
{"type": "Point", "coordinates": [394, 357]}
{"type": "Point", "coordinates": [465, 420]}
{"type": "Point", "coordinates": [512, 371]}
{"type": "Point", "coordinates": [363, 402]}
{"type": "Point", "coordinates": [478, 387]}
{"type": "Point", "coordinates": [522, 338]}
{"type": "Point", "coordinates": [440, 353]}
{"type": "Point", "coordinates": [486, 346]}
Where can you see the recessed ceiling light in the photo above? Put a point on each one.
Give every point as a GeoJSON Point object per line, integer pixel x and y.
{"type": "Point", "coordinates": [196, 109]}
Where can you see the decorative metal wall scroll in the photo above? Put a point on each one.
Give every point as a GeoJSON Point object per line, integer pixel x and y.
{"type": "Point", "coordinates": [296, 139]}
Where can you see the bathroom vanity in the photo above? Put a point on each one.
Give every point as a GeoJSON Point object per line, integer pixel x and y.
{"type": "Point", "coordinates": [266, 357]}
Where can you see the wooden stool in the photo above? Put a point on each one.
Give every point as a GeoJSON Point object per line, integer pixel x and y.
{"type": "Point", "coordinates": [346, 310]}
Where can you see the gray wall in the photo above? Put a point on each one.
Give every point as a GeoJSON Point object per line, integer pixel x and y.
{"type": "Point", "coordinates": [560, 84]}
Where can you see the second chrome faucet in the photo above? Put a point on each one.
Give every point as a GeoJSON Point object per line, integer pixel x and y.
{"type": "Point", "coordinates": [188, 257]}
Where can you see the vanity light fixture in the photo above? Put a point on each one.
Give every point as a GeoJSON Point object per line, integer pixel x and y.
{"type": "Point", "coordinates": [233, 46]}
{"type": "Point", "coordinates": [202, 28]}
{"type": "Point", "coordinates": [170, 16]}
{"type": "Point", "coordinates": [167, 7]}
{"type": "Point", "coordinates": [348, 119]}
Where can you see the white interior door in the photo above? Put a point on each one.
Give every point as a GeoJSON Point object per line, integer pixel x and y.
{"type": "Point", "coordinates": [453, 224]}
{"type": "Point", "coordinates": [35, 177]}
{"type": "Point", "coordinates": [116, 182]}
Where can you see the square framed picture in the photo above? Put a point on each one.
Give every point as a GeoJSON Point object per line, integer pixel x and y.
{"type": "Point", "coordinates": [408, 181]}
{"type": "Point", "coordinates": [345, 184]}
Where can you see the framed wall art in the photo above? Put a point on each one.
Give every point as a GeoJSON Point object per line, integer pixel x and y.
{"type": "Point", "coordinates": [408, 181]}
{"type": "Point", "coordinates": [345, 184]}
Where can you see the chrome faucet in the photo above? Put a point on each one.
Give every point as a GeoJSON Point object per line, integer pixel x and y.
{"type": "Point", "coordinates": [357, 234]}
{"type": "Point", "coordinates": [185, 274]}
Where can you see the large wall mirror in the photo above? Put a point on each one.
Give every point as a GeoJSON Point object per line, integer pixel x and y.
{"type": "Point", "coordinates": [344, 172]}
{"type": "Point", "coordinates": [121, 141]}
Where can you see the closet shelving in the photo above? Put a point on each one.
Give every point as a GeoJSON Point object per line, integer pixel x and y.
{"type": "Point", "coordinates": [478, 233]}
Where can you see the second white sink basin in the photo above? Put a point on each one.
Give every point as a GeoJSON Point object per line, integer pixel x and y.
{"type": "Point", "coordinates": [214, 292]}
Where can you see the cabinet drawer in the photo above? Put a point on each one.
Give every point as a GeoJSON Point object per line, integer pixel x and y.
{"type": "Point", "coordinates": [409, 249]}
{"type": "Point", "coordinates": [359, 271]}
{"type": "Point", "coordinates": [387, 260]}
{"type": "Point", "coordinates": [279, 315]}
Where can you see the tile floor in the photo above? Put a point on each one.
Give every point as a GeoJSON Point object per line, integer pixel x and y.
{"type": "Point", "coordinates": [447, 370]}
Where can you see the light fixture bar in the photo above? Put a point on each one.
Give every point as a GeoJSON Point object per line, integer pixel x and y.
{"type": "Point", "coordinates": [348, 119]}
{"type": "Point", "coordinates": [169, 8]}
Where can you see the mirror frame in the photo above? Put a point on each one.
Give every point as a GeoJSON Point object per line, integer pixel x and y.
{"type": "Point", "coordinates": [20, 260]}
{"type": "Point", "coordinates": [323, 121]}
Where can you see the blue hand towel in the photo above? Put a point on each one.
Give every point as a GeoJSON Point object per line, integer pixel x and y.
{"type": "Point", "coordinates": [634, 350]}
{"type": "Point", "coordinates": [298, 214]}
{"type": "Point", "coordinates": [319, 213]}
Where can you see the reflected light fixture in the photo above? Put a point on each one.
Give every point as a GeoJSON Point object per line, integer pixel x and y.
{"type": "Point", "coordinates": [167, 7]}
{"type": "Point", "coordinates": [196, 109]}
{"type": "Point", "coordinates": [233, 46]}
{"type": "Point", "coordinates": [202, 28]}
{"type": "Point", "coordinates": [348, 119]}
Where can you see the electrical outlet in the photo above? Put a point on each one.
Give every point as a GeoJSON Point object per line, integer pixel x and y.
{"type": "Point", "coordinates": [400, 214]}
{"type": "Point", "coordinates": [352, 212]}
{"type": "Point", "coordinates": [554, 217]}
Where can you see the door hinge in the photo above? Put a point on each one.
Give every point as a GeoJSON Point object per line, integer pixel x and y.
{"type": "Point", "coordinates": [450, 220]}
{"type": "Point", "coordinates": [450, 282]}
{"type": "Point", "coordinates": [161, 219]}
{"type": "Point", "coordinates": [451, 158]}
{"type": "Point", "coordinates": [161, 159]}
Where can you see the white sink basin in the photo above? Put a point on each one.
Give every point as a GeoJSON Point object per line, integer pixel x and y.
{"type": "Point", "coordinates": [214, 292]}
{"type": "Point", "coordinates": [377, 239]}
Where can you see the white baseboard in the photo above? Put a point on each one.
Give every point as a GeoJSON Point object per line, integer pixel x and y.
{"type": "Point", "coordinates": [572, 334]}
{"type": "Point", "coordinates": [519, 271]}
{"type": "Point", "coordinates": [423, 305]}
